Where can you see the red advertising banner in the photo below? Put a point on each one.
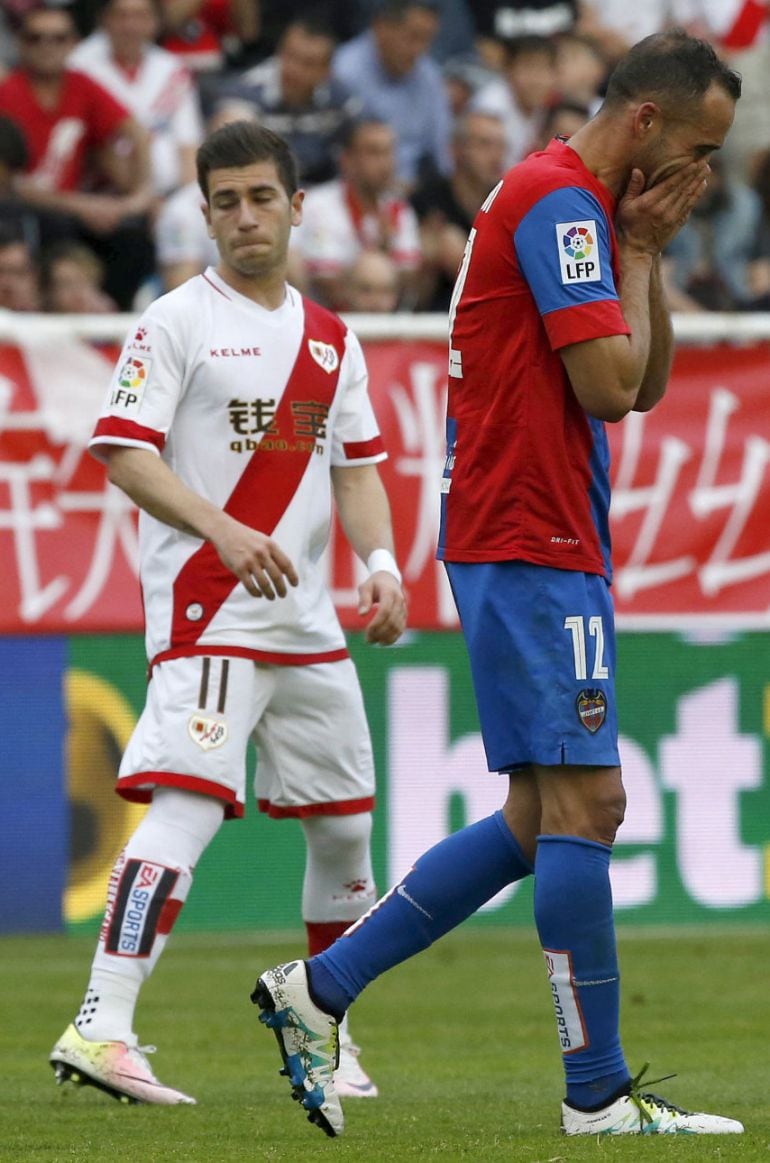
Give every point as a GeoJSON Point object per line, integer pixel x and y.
{"type": "Point", "coordinates": [690, 518]}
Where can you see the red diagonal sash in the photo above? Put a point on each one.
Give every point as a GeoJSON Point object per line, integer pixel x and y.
{"type": "Point", "coordinates": [266, 486]}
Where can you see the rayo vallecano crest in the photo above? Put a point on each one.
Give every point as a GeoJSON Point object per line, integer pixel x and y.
{"type": "Point", "coordinates": [206, 732]}
{"type": "Point", "coordinates": [592, 709]}
{"type": "Point", "coordinates": [324, 354]}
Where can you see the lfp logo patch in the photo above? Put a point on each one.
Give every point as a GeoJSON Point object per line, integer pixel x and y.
{"type": "Point", "coordinates": [578, 252]}
{"type": "Point", "coordinates": [132, 380]}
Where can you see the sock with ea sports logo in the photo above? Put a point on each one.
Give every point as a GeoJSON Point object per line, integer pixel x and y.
{"type": "Point", "coordinates": [573, 913]}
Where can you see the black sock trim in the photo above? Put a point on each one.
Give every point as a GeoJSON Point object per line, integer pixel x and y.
{"type": "Point", "coordinates": [619, 1093]}
{"type": "Point", "coordinates": [324, 1009]}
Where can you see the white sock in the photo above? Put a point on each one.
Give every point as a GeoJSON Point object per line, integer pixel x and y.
{"type": "Point", "coordinates": [148, 886]}
{"type": "Point", "coordinates": [339, 884]}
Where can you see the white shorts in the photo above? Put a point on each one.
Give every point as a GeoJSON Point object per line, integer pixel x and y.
{"type": "Point", "coordinates": [314, 753]}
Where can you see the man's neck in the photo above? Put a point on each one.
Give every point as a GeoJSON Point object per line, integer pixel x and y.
{"type": "Point", "coordinates": [267, 290]}
{"type": "Point", "coordinates": [129, 57]}
{"type": "Point", "coordinates": [47, 88]}
{"type": "Point", "coordinates": [601, 146]}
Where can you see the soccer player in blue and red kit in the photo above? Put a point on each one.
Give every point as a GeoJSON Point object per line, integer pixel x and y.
{"type": "Point", "coordinates": [557, 325]}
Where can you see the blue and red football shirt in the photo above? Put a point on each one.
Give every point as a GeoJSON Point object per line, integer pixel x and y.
{"type": "Point", "coordinates": [527, 470]}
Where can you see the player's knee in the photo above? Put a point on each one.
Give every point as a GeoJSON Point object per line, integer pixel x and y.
{"type": "Point", "coordinates": [335, 838]}
{"type": "Point", "coordinates": [608, 812]}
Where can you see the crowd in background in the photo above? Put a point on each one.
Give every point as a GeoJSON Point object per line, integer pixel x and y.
{"type": "Point", "coordinates": [403, 115]}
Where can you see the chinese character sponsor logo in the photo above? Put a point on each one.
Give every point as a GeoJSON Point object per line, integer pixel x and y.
{"type": "Point", "coordinates": [310, 418]}
{"type": "Point", "coordinates": [578, 253]}
{"type": "Point", "coordinates": [207, 733]}
{"type": "Point", "coordinates": [249, 417]}
{"type": "Point", "coordinates": [324, 354]}
{"type": "Point", "coordinates": [254, 422]}
{"type": "Point", "coordinates": [592, 709]}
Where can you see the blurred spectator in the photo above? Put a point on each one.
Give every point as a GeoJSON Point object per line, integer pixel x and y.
{"type": "Point", "coordinates": [741, 28]}
{"type": "Point", "coordinates": [521, 98]}
{"type": "Point", "coordinates": [372, 284]}
{"type": "Point", "coordinates": [182, 242]}
{"type": "Point", "coordinates": [154, 85]}
{"type": "Point", "coordinates": [758, 271]}
{"type": "Point", "coordinates": [563, 118]}
{"type": "Point", "coordinates": [202, 33]}
{"type": "Point", "coordinates": [14, 156]}
{"type": "Point", "coordinates": [581, 70]}
{"type": "Point", "coordinates": [358, 212]}
{"type": "Point", "coordinates": [67, 120]}
{"type": "Point", "coordinates": [19, 290]}
{"type": "Point", "coordinates": [388, 67]}
{"type": "Point", "coordinates": [617, 24]}
{"type": "Point", "coordinates": [346, 19]}
{"type": "Point", "coordinates": [31, 225]}
{"type": "Point", "coordinates": [446, 207]}
{"type": "Point", "coordinates": [464, 76]}
{"type": "Point", "coordinates": [456, 29]}
{"type": "Point", "coordinates": [71, 278]}
{"type": "Point", "coordinates": [706, 266]}
{"type": "Point", "coordinates": [497, 22]}
{"type": "Point", "coordinates": [294, 94]}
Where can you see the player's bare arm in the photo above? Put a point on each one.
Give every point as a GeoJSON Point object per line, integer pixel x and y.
{"type": "Point", "coordinates": [255, 559]}
{"type": "Point", "coordinates": [658, 370]}
{"type": "Point", "coordinates": [365, 515]}
{"type": "Point", "coordinates": [608, 374]}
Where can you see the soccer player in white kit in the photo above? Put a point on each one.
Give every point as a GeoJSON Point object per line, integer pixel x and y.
{"type": "Point", "coordinates": [235, 410]}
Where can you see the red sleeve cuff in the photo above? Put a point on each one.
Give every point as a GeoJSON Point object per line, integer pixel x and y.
{"type": "Point", "coordinates": [114, 430]}
{"type": "Point", "coordinates": [588, 321]}
{"type": "Point", "coordinates": [363, 449]}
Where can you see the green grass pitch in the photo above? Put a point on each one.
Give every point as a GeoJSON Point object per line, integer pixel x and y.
{"type": "Point", "coordinates": [461, 1041]}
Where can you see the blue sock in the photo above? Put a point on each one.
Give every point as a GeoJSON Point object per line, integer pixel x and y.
{"type": "Point", "coordinates": [448, 883]}
{"type": "Point", "coordinates": [573, 913]}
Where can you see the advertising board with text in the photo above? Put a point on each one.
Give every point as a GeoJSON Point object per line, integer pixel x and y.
{"type": "Point", "coordinates": [690, 515]}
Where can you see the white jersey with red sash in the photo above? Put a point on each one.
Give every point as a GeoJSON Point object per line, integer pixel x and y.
{"type": "Point", "coordinates": [250, 408]}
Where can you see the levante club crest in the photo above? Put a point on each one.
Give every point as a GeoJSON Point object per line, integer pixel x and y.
{"type": "Point", "coordinates": [592, 709]}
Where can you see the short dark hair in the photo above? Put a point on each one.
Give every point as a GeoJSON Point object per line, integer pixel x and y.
{"type": "Point", "coordinates": [395, 10]}
{"type": "Point", "coordinates": [564, 105]}
{"type": "Point", "coordinates": [62, 6]}
{"type": "Point", "coordinates": [241, 143]}
{"type": "Point", "coordinates": [672, 67]}
{"type": "Point", "coordinates": [313, 24]}
{"type": "Point", "coordinates": [354, 127]}
{"type": "Point", "coordinates": [527, 44]}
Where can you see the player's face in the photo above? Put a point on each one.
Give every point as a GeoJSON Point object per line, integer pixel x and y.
{"type": "Point", "coordinates": [250, 216]}
{"type": "Point", "coordinates": [692, 135]}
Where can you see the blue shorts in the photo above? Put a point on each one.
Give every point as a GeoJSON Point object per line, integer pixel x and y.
{"type": "Point", "coordinates": [542, 652]}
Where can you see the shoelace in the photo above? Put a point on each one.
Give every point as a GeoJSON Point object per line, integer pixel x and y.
{"type": "Point", "coordinates": [639, 1097]}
